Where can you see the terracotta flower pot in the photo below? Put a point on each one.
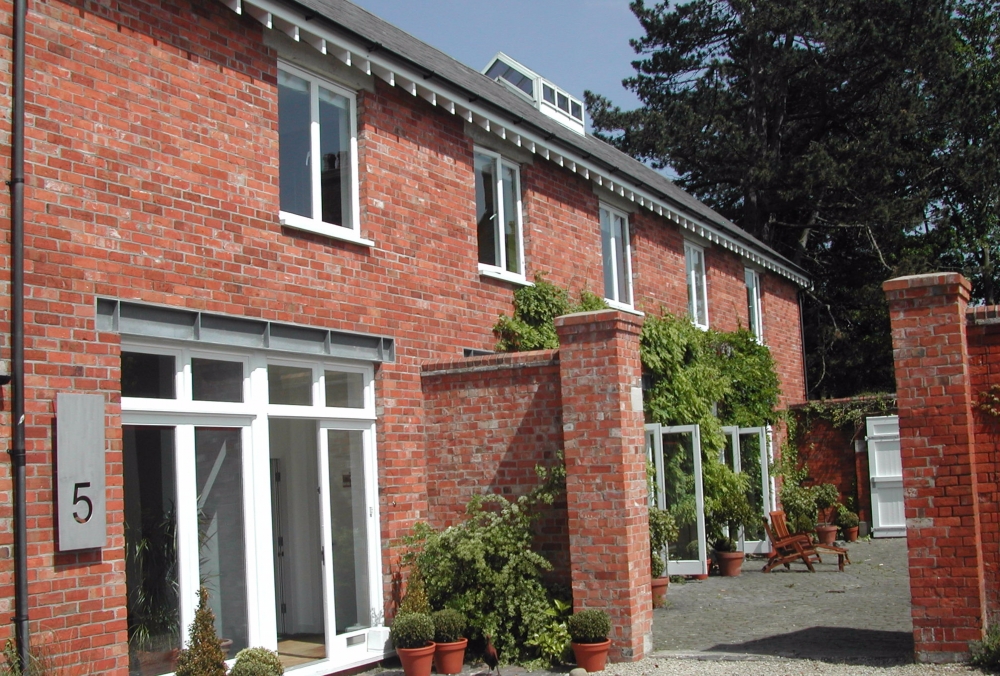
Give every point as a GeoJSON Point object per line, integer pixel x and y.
{"type": "Point", "coordinates": [592, 656]}
{"type": "Point", "coordinates": [449, 657]}
{"type": "Point", "coordinates": [157, 662]}
{"type": "Point", "coordinates": [417, 661]}
{"type": "Point", "coordinates": [730, 563]}
{"type": "Point", "coordinates": [851, 534]}
{"type": "Point", "coordinates": [826, 535]}
{"type": "Point", "coordinates": [659, 586]}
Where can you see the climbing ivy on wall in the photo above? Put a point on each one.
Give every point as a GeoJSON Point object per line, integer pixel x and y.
{"type": "Point", "coordinates": [709, 378]}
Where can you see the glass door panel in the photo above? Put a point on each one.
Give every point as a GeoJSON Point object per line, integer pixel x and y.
{"type": "Point", "coordinates": [298, 542]}
{"type": "Point", "coordinates": [151, 579]}
{"type": "Point", "coordinates": [677, 463]}
{"type": "Point", "coordinates": [221, 551]}
{"type": "Point", "coordinates": [755, 459]}
{"type": "Point", "coordinates": [349, 530]}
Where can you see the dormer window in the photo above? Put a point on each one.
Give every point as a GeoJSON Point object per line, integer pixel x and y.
{"type": "Point", "coordinates": [554, 102]}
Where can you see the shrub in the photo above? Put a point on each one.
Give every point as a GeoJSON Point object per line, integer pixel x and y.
{"type": "Point", "coordinates": [553, 642]}
{"type": "Point", "coordinates": [485, 567]}
{"type": "Point", "coordinates": [725, 545]}
{"type": "Point", "coordinates": [449, 625]}
{"type": "Point", "coordinates": [257, 662]}
{"type": "Point", "coordinates": [846, 518]}
{"type": "Point", "coordinates": [535, 308]}
{"type": "Point", "coordinates": [415, 600]}
{"type": "Point", "coordinates": [662, 530]}
{"type": "Point", "coordinates": [589, 626]}
{"type": "Point", "coordinates": [411, 630]}
{"type": "Point", "coordinates": [986, 653]}
{"type": "Point", "coordinates": [203, 656]}
{"type": "Point", "coordinates": [39, 662]}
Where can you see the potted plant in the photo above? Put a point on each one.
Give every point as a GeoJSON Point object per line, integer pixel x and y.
{"type": "Point", "coordinates": [204, 655]}
{"type": "Point", "coordinates": [412, 636]}
{"type": "Point", "coordinates": [257, 662]}
{"type": "Point", "coordinates": [449, 651]}
{"type": "Point", "coordinates": [848, 522]}
{"type": "Point", "coordinates": [728, 557]}
{"type": "Point", "coordinates": [588, 630]}
{"type": "Point", "coordinates": [825, 497]}
{"type": "Point", "coordinates": [662, 531]}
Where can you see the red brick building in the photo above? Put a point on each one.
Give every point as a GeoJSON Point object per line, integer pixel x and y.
{"type": "Point", "coordinates": [264, 233]}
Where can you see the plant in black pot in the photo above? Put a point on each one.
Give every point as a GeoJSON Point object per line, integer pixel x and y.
{"type": "Point", "coordinates": [412, 636]}
{"type": "Point", "coordinates": [589, 630]}
{"type": "Point", "coordinates": [449, 640]}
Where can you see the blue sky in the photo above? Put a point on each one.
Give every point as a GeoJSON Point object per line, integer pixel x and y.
{"type": "Point", "coordinates": [577, 44]}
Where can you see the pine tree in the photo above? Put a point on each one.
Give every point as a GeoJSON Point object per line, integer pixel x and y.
{"type": "Point", "coordinates": [203, 656]}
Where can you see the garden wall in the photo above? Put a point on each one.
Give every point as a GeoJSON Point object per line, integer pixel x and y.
{"type": "Point", "coordinates": [489, 421]}
{"type": "Point", "coordinates": [947, 366]}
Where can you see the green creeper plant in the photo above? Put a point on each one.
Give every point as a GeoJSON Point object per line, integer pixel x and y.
{"type": "Point", "coordinates": [204, 655]}
{"type": "Point", "coordinates": [535, 307]}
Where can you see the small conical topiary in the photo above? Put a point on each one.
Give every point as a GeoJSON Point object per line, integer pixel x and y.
{"type": "Point", "coordinates": [204, 655]}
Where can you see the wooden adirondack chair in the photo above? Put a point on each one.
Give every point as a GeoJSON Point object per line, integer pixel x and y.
{"type": "Point", "coordinates": [787, 550]}
{"type": "Point", "coordinates": [780, 525]}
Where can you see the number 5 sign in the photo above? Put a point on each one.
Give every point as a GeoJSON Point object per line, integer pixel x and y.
{"type": "Point", "coordinates": [80, 471]}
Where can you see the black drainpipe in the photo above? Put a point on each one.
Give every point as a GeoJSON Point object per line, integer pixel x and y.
{"type": "Point", "coordinates": [16, 184]}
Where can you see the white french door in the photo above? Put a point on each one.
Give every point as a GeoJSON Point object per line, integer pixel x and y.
{"type": "Point", "coordinates": [748, 450]}
{"type": "Point", "coordinates": [676, 456]}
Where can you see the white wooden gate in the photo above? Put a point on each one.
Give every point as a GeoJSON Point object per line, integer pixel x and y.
{"type": "Point", "coordinates": [886, 469]}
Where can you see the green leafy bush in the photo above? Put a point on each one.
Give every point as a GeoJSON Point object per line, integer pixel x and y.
{"type": "Point", "coordinates": [535, 307]}
{"type": "Point", "coordinates": [846, 518]}
{"type": "Point", "coordinates": [257, 662]}
{"type": "Point", "coordinates": [39, 663]}
{"type": "Point", "coordinates": [986, 653]}
{"type": "Point", "coordinates": [449, 625]}
{"type": "Point", "coordinates": [204, 655]}
{"type": "Point", "coordinates": [589, 626]}
{"type": "Point", "coordinates": [662, 531]}
{"type": "Point", "coordinates": [411, 630]}
{"type": "Point", "coordinates": [485, 566]}
{"type": "Point", "coordinates": [415, 600]}
{"type": "Point", "coordinates": [725, 545]}
{"type": "Point", "coordinates": [553, 641]}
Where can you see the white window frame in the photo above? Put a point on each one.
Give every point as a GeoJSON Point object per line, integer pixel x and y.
{"type": "Point", "coordinates": [697, 285]}
{"type": "Point", "coordinates": [755, 309]}
{"type": "Point", "coordinates": [501, 271]}
{"type": "Point", "coordinates": [251, 416]}
{"type": "Point", "coordinates": [622, 255]}
{"type": "Point", "coordinates": [317, 225]}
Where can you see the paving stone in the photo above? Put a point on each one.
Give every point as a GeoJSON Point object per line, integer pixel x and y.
{"type": "Point", "coordinates": [860, 614]}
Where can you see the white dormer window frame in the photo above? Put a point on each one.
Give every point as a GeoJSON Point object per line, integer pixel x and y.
{"type": "Point", "coordinates": [697, 284]}
{"type": "Point", "coordinates": [506, 260]}
{"type": "Point", "coordinates": [755, 314]}
{"type": "Point", "coordinates": [313, 221]}
{"type": "Point", "coordinates": [616, 254]}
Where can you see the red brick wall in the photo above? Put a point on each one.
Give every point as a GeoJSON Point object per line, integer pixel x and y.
{"type": "Point", "coordinates": [941, 464]}
{"type": "Point", "coordinates": [151, 146]}
{"type": "Point", "coordinates": [606, 491]}
{"type": "Point", "coordinates": [489, 421]}
{"type": "Point", "coordinates": [983, 332]}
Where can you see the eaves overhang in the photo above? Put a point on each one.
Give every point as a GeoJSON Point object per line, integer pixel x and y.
{"type": "Point", "coordinates": [374, 58]}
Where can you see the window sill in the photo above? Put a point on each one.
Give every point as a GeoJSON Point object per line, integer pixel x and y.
{"type": "Point", "coordinates": [624, 308]}
{"type": "Point", "coordinates": [320, 228]}
{"type": "Point", "coordinates": [503, 275]}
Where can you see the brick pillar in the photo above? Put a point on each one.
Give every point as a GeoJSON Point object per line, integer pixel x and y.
{"type": "Point", "coordinates": [939, 469]}
{"type": "Point", "coordinates": [606, 491]}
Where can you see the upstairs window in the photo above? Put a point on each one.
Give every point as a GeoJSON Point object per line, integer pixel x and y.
{"type": "Point", "coordinates": [616, 253]}
{"type": "Point", "coordinates": [694, 259]}
{"type": "Point", "coordinates": [317, 136]}
{"type": "Point", "coordinates": [498, 216]}
{"type": "Point", "coordinates": [754, 314]}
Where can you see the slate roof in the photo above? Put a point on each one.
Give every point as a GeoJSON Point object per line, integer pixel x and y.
{"type": "Point", "coordinates": [385, 39]}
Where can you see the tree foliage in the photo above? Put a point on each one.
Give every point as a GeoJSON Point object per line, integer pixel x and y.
{"type": "Point", "coordinates": [855, 137]}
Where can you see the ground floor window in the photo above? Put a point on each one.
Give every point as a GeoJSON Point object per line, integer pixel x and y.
{"type": "Point", "coordinates": [264, 493]}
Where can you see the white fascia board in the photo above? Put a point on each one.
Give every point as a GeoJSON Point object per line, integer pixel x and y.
{"type": "Point", "coordinates": [360, 56]}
